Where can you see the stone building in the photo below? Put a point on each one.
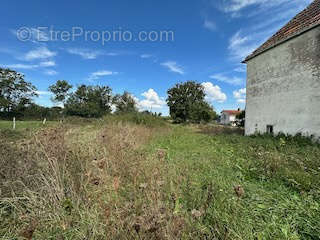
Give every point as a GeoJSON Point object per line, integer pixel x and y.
{"type": "Point", "coordinates": [283, 79]}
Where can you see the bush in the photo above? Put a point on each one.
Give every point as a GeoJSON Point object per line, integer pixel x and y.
{"type": "Point", "coordinates": [137, 118]}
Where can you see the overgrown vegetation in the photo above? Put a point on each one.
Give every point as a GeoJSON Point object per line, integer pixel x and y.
{"type": "Point", "coordinates": [136, 177]}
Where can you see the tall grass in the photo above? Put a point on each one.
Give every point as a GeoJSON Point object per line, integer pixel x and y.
{"type": "Point", "coordinates": [87, 181]}
{"type": "Point", "coordinates": [135, 177]}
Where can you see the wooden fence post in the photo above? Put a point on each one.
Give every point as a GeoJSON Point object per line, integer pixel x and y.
{"type": "Point", "coordinates": [44, 121]}
{"type": "Point", "coordinates": [14, 123]}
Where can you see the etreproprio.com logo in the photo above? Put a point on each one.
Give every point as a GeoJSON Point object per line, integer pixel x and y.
{"type": "Point", "coordinates": [46, 34]}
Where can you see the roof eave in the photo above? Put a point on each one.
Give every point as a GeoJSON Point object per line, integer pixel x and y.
{"type": "Point", "coordinates": [280, 42]}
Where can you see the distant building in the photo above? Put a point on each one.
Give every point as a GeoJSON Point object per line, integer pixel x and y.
{"type": "Point", "coordinates": [228, 117]}
{"type": "Point", "coordinates": [283, 79]}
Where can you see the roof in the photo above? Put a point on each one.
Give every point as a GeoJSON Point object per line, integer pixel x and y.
{"type": "Point", "coordinates": [304, 21]}
{"type": "Point", "coordinates": [232, 112]}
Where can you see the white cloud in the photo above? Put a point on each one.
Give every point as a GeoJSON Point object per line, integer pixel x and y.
{"type": "Point", "coordinates": [240, 95]}
{"type": "Point", "coordinates": [173, 67]}
{"type": "Point", "coordinates": [43, 93]}
{"type": "Point", "coordinates": [101, 73]}
{"type": "Point", "coordinates": [241, 69]}
{"type": "Point", "coordinates": [90, 54]}
{"type": "Point", "coordinates": [50, 72]}
{"type": "Point", "coordinates": [112, 54]}
{"type": "Point", "coordinates": [279, 18]}
{"type": "Point", "coordinates": [209, 25]}
{"type": "Point", "coordinates": [237, 40]}
{"type": "Point", "coordinates": [241, 46]}
{"type": "Point", "coordinates": [151, 101]}
{"type": "Point", "coordinates": [146, 56]}
{"type": "Point", "coordinates": [85, 53]}
{"type": "Point", "coordinates": [259, 26]}
{"type": "Point", "coordinates": [32, 66]}
{"type": "Point", "coordinates": [226, 79]}
{"type": "Point", "coordinates": [47, 64]}
{"type": "Point", "coordinates": [39, 53]}
{"type": "Point", "coordinates": [213, 92]}
{"type": "Point", "coordinates": [238, 5]}
{"type": "Point", "coordinates": [244, 42]}
{"type": "Point", "coordinates": [21, 66]}
{"type": "Point", "coordinates": [264, 5]}
{"type": "Point", "coordinates": [241, 101]}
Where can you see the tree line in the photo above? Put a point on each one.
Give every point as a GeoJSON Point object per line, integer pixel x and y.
{"type": "Point", "coordinates": [186, 101]}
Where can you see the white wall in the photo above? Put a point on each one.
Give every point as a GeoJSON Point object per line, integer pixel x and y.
{"type": "Point", "coordinates": [283, 87]}
{"type": "Point", "coordinates": [226, 118]}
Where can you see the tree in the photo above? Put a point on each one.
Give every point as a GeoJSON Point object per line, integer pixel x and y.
{"type": "Point", "coordinates": [60, 90]}
{"type": "Point", "coordinates": [241, 118]}
{"type": "Point", "coordinates": [125, 103]}
{"type": "Point", "coordinates": [186, 103]}
{"type": "Point", "coordinates": [202, 111]}
{"type": "Point", "coordinates": [15, 92]}
{"type": "Point", "coordinates": [89, 101]}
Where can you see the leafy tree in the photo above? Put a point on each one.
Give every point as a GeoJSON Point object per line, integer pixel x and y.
{"type": "Point", "coordinates": [125, 103]}
{"type": "Point", "coordinates": [186, 103]}
{"type": "Point", "coordinates": [241, 118]}
{"type": "Point", "coordinates": [90, 101]}
{"type": "Point", "coordinates": [60, 90]}
{"type": "Point", "coordinates": [202, 111]}
{"type": "Point", "coordinates": [15, 92]}
{"type": "Point", "coordinates": [33, 111]}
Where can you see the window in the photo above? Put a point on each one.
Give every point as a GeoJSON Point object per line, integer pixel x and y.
{"type": "Point", "coordinates": [269, 129]}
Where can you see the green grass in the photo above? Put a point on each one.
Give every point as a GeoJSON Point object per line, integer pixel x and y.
{"type": "Point", "coordinates": [127, 177]}
{"type": "Point", "coordinates": [21, 125]}
{"type": "Point", "coordinates": [23, 129]}
{"type": "Point", "coordinates": [281, 182]}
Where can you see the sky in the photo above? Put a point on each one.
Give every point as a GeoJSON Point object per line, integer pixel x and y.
{"type": "Point", "coordinates": [144, 47]}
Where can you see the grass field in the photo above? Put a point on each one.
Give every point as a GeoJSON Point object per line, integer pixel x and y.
{"type": "Point", "coordinates": [20, 125]}
{"type": "Point", "coordinates": [125, 178]}
{"type": "Point", "coordinates": [23, 128]}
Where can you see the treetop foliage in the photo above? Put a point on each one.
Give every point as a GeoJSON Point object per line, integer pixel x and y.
{"type": "Point", "coordinates": [14, 90]}
{"type": "Point", "coordinates": [124, 103]}
{"type": "Point", "coordinates": [89, 101]}
{"type": "Point", "coordinates": [186, 102]}
{"type": "Point", "coordinates": [60, 90]}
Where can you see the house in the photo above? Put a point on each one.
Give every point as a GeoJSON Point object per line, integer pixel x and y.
{"type": "Point", "coordinates": [283, 79]}
{"type": "Point", "coordinates": [228, 117]}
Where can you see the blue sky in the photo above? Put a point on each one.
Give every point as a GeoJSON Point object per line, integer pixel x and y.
{"type": "Point", "coordinates": [208, 40]}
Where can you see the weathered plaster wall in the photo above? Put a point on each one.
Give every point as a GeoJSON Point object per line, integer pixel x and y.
{"type": "Point", "coordinates": [283, 87]}
{"type": "Point", "coordinates": [227, 118]}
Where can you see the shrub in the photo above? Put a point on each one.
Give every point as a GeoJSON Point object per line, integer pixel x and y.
{"type": "Point", "coordinates": [137, 118]}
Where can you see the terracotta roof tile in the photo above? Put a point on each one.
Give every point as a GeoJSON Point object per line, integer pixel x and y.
{"type": "Point", "coordinates": [308, 18]}
{"type": "Point", "coordinates": [233, 112]}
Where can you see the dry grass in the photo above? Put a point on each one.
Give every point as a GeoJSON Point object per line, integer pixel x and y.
{"type": "Point", "coordinates": [89, 182]}
{"type": "Point", "coordinates": [107, 179]}
{"type": "Point", "coordinates": [220, 130]}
